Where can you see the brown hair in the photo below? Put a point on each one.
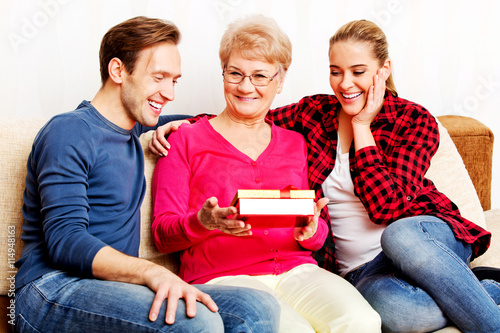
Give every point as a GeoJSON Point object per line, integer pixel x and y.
{"type": "Point", "coordinates": [367, 32]}
{"type": "Point", "coordinates": [257, 37]}
{"type": "Point", "coordinates": [125, 40]}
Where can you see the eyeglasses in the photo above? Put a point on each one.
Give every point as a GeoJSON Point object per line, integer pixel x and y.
{"type": "Point", "coordinates": [258, 80]}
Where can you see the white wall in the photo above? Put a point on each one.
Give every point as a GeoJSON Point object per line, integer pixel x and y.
{"type": "Point", "coordinates": [445, 53]}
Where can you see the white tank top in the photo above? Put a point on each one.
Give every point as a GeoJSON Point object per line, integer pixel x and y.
{"type": "Point", "coordinates": [357, 238]}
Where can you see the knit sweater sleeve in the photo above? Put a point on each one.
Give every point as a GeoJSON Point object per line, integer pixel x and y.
{"type": "Point", "coordinates": [315, 242]}
{"type": "Point", "coordinates": [62, 161]}
{"type": "Point", "coordinates": [162, 120]}
{"type": "Point", "coordinates": [175, 227]}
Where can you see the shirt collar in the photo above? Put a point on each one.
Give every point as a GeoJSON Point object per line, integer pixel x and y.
{"type": "Point", "coordinates": [388, 112]}
{"type": "Point", "coordinates": [329, 118]}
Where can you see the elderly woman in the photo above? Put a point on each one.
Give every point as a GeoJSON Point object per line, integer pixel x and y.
{"type": "Point", "coordinates": [239, 149]}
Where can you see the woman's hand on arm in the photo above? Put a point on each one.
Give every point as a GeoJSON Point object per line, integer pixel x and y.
{"type": "Point", "coordinates": [110, 264]}
{"type": "Point", "coordinates": [310, 229]}
{"type": "Point", "coordinates": [213, 217]}
{"type": "Point", "coordinates": [159, 144]}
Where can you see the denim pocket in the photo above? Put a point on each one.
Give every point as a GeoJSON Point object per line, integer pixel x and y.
{"type": "Point", "coordinates": [22, 325]}
{"type": "Point", "coordinates": [52, 283]}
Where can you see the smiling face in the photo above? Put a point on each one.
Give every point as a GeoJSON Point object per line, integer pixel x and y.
{"type": "Point", "coordinates": [244, 100]}
{"type": "Point", "coordinates": [151, 84]}
{"type": "Point", "coordinates": [352, 68]}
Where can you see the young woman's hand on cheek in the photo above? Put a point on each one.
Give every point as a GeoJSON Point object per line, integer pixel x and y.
{"type": "Point", "coordinates": [374, 101]}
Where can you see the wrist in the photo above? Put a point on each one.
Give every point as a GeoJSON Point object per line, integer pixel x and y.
{"type": "Point", "coordinates": [151, 272]}
{"type": "Point", "coordinates": [363, 136]}
{"type": "Point", "coordinates": [360, 125]}
{"type": "Point", "coordinates": [201, 221]}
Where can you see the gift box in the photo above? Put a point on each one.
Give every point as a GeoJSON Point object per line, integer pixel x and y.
{"type": "Point", "coordinates": [289, 207]}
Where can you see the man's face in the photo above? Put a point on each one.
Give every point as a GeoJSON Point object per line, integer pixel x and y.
{"type": "Point", "coordinates": [151, 85]}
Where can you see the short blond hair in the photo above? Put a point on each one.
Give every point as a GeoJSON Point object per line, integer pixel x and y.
{"type": "Point", "coordinates": [257, 37]}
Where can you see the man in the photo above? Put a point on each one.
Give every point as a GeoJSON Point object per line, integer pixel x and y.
{"type": "Point", "coordinates": [79, 270]}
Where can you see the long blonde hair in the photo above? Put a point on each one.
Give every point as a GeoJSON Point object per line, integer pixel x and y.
{"type": "Point", "coordinates": [367, 32]}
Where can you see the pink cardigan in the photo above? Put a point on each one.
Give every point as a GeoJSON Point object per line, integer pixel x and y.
{"type": "Point", "coordinates": [202, 164]}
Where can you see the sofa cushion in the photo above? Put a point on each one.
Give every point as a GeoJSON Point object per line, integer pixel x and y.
{"type": "Point", "coordinates": [448, 173]}
{"type": "Point", "coordinates": [474, 142]}
{"type": "Point", "coordinates": [147, 249]}
{"type": "Point", "coordinates": [16, 138]}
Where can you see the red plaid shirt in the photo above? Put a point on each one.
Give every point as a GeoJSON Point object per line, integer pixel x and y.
{"type": "Point", "coordinates": [389, 177]}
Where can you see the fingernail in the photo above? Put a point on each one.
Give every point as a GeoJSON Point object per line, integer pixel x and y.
{"type": "Point", "coordinates": [154, 316]}
{"type": "Point", "coordinates": [170, 318]}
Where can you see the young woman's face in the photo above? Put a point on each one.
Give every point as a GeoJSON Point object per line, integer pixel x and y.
{"type": "Point", "coordinates": [352, 68]}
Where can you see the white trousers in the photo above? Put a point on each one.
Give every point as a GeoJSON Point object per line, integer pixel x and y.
{"type": "Point", "coordinates": [313, 300]}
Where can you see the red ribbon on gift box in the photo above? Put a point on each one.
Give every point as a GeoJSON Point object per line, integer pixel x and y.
{"type": "Point", "coordinates": [285, 192]}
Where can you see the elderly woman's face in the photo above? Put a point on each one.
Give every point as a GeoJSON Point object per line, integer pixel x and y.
{"type": "Point", "coordinates": [245, 100]}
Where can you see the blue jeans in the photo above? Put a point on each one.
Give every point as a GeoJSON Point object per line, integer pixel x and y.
{"type": "Point", "coordinates": [421, 279]}
{"type": "Point", "coordinates": [61, 303]}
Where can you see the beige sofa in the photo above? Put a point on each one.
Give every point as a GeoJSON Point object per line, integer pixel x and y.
{"type": "Point", "coordinates": [474, 141]}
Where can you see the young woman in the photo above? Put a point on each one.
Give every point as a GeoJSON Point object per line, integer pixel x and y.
{"type": "Point", "coordinates": [394, 236]}
{"type": "Point", "coordinates": [401, 242]}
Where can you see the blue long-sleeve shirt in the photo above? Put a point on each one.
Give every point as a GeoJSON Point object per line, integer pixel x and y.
{"type": "Point", "coordinates": [84, 188]}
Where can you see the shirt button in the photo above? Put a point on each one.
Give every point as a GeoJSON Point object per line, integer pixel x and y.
{"type": "Point", "coordinates": [265, 233]}
{"type": "Point", "coordinates": [257, 180]}
{"type": "Point", "coordinates": [408, 198]}
{"type": "Point", "coordinates": [352, 169]}
{"type": "Point", "coordinates": [254, 163]}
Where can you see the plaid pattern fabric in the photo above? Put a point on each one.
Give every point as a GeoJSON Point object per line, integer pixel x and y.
{"type": "Point", "coordinates": [389, 177]}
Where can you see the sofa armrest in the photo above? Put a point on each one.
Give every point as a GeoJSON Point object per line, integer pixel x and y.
{"type": "Point", "coordinates": [474, 142]}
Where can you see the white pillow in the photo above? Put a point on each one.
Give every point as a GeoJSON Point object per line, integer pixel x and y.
{"type": "Point", "coordinates": [448, 173]}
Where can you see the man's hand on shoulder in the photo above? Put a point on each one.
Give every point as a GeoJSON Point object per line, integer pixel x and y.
{"type": "Point", "coordinates": [159, 144]}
